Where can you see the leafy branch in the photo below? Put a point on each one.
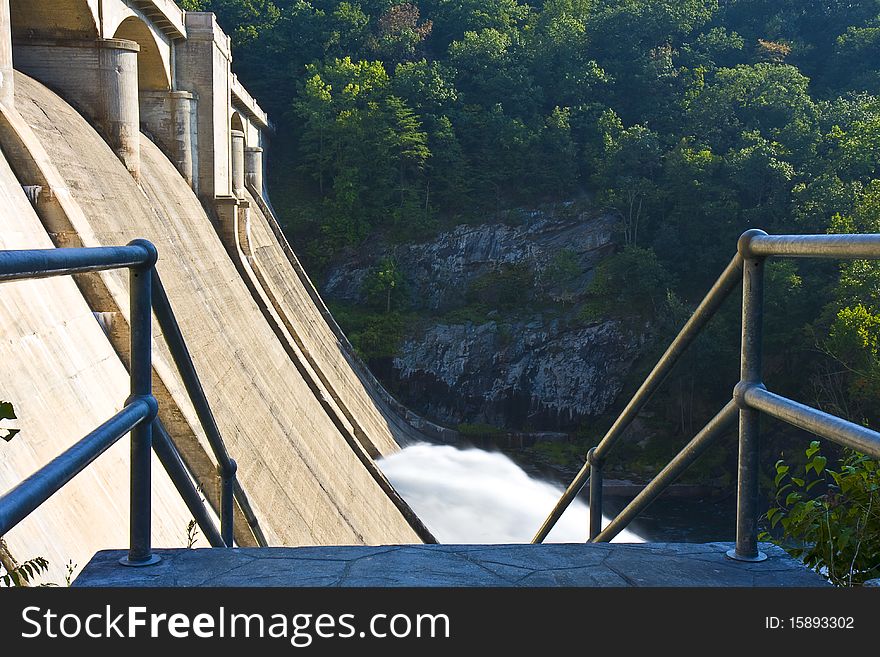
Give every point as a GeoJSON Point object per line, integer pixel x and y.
{"type": "Point", "coordinates": [837, 532]}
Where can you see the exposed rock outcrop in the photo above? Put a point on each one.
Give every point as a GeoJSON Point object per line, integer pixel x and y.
{"type": "Point", "coordinates": [437, 273]}
{"type": "Point", "coordinates": [524, 375]}
{"type": "Point", "coordinates": [505, 342]}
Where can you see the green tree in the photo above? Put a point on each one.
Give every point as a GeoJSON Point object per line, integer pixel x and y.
{"type": "Point", "coordinates": [245, 20]}
{"type": "Point", "coordinates": [627, 173]}
{"type": "Point", "coordinates": [400, 33]}
{"type": "Point", "coordinates": [768, 99]}
{"type": "Point", "coordinates": [854, 334]}
{"type": "Point", "coordinates": [452, 18]}
{"type": "Point", "coordinates": [632, 283]}
{"type": "Point", "coordinates": [852, 65]}
{"type": "Point", "coordinates": [410, 145]}
{"type": "Point", "coordinates": [384, 283]}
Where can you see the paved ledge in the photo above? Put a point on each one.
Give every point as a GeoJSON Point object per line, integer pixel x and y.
{"type": "Point", "coordinates": [615, 564]}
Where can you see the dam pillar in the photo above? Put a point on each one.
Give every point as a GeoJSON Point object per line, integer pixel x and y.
{"type": "Point", "coordinates": [238, 163]}
{"type": "Point", "coordinates": [169, 117]}
{"type": "Point", "coordinates": [7, 88]}
{"type": "Point", "coordinates": [97, 76]}
{"type": "Point", "coordinates": [119, 117]}
{"type": "Point", "coordinates": [202, 64]}
{"type": "Point", "coordinates": [253, 168]}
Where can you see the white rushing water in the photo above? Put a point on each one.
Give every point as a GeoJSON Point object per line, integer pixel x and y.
{"type": "Point", "coordinates": [475, 496]}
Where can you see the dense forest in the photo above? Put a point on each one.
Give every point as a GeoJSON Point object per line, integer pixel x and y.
{"type": "Point", "coordinates": [692, 120]}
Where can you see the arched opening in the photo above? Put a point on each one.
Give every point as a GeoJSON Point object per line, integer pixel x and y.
{"type": "Point", "coordinates": [52, 19]}
{"type": "Point", "coordinates": [251, 156]}
{"type": "Point", "coordinates": [238, 124]}
{"type": "Point", "coordinates": [152, 74]}
{"type": "Point", "coordinates": [162, 113]}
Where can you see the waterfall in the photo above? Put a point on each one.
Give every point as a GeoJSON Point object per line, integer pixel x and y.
{"type": "Point", "coordinates": [474, 496]}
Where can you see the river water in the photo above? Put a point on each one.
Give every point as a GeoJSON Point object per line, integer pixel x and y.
{"type": "Point", "coordinates": [470, 495]}
{"type": "Point", "coordinates": [475, 496]}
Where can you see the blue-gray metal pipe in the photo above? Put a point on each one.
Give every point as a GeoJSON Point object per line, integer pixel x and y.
{"type": "Point", "coordinates": [16, 504]}
{"type": "Point", "coordinates": [248, 512]}
{"type": "Point", "coordinates": [177, 472]}
{"type": "Point", "coordinates": [822, 424]}
{"type": "Point", "coordinates": [227, 504]}
{"type": "Point", "coordinates": [749, 419]}
{"type": "Point", "coordinates": [182, 359]}
{"type": "Point", "coordinates": [706, 437]}
{"type": "Point", "coordinates": [865, 246]}
{"type": "Point", "coordinates": [141, 374]}
{"type": "Point", "coordinates": [596, 483]}
{"type": "Point", "coordinates": [42, 263]}
{"type": "Point", "coordinates": [710, 304]}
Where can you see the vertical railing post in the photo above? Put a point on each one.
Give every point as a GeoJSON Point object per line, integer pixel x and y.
{"type": "Point", "coordinates": [227, 503]}
{"type": "Point", "coordinates": [140, 370]}
{"type": "Point", "coordinates": [595, 494]}
{"type": "Point", "coordinates": [749, 419]}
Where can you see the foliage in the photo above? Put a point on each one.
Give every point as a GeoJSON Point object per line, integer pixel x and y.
{"type": "Point", "coordinates": [506, 288]}
{"type": "Point", "coordinates": [691, 120]}
{"type": "Point", "coordinates": [69, 569]}
{"type": "Point", "coordinates": [384, 282]}
{"type": "Point", "coordinates": [192, 533]}
{"type": "Point", "coordinates": [836, 532]}
{"type": "Point", "coordinates": [25, 573]}
{"type": "Point", "coordinates": [630, 283]}
{"type": "Point", "coordinates": [560, 453]}
{"type": "Point", "coordinates": [479, 430]}
{"type": "Point", "coordinates": [7, 412]}
{"type": "Point", "coordinates": [374, 335]}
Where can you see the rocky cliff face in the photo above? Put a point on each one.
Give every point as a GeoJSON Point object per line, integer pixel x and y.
{"type": "Point", "coordinates": [502, 339]}
{"type": "Point", "coordinates": [530, 375]}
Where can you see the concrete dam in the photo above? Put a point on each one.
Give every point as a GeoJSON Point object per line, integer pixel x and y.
{"type": "Point", "coordinates": [122, 120]}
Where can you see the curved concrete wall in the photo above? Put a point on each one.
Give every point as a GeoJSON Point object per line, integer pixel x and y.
{"type": "Point", "coordinates": [314, 337]}
{"type": "Point", "coordinates": [305, 482]}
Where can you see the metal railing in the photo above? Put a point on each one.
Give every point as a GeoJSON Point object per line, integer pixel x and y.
{"type": "Point", "coordinates": [139, 414]}
{"type": "Point", "coordinates": [750, 396]}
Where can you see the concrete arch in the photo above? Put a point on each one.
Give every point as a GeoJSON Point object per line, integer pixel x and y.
{"type": "Point", "coordinates": [66, 19]}
{"type": "Point", "coordinates": [237, 123]}
{"type": "Point", "coordinates": [153, 75]}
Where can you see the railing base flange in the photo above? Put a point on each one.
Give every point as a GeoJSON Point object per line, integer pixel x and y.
{"type": "Point", "coordinates": [154, 559]}
{"type": "Point", "coordinates": [732, 554]}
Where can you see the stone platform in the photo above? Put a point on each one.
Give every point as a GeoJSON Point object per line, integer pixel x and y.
{"type": "Point", "coordinates": [580, 565]}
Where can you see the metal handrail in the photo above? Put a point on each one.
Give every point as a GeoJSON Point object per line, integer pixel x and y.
{"type": "Point", "coordinates": [750, 397]}
{"type": "Point", "coordinates": [705, 438]}
{"type": "Point", "coordinates": [828, 426]}
{"type": "Point", "coordinates": [226, 466]}
{"type": "Point", "coordinates": [170, 459]}
{"type": "Point", "coordinates": [705, 311]}
{"type": "Point", "coordinates": [21, 500]}
{"type": "Point", "coordinates": [139, 416]}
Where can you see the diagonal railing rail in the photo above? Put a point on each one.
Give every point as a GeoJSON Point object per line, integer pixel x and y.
{"type": "Point", "coordinates": [139, 414]}
{"type": "Point", "coordinates": [750, 396]}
